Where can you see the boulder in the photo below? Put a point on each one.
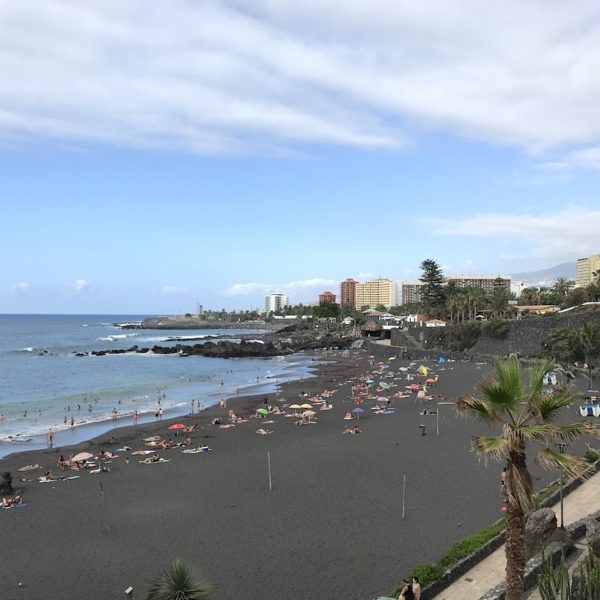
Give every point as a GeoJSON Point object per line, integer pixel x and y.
{"type": "Point", "coordinates": [540, 528]}
{"type": "Point", "coordinates": [592, 535]}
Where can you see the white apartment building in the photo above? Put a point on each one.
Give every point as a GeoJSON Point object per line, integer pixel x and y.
{"type": "Point", "coordinates": [275, 302]}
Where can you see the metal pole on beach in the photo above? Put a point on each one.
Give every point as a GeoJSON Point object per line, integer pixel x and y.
{"type": "Point", "coordinates": [105, 519]}
{"type": "Point", "coordinates": [437, 416]}
{"type": "Point", "coordinates": [403, 493]}
{"type": "Point", "coordinates": [269, 464]}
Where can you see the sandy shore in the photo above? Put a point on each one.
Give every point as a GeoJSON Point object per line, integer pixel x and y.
{"type": "Point", "coordinates": [330, 528]}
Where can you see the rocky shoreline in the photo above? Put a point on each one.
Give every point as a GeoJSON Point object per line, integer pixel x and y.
{"type": "Point", "coordinates": [228, 349]}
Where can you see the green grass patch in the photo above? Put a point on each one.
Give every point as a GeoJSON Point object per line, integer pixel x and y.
{"type": "Point", "coordinates": [432, 572]}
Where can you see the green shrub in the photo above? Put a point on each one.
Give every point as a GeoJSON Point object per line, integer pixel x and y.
{"type": "Point", "coordinates": [591, 455]}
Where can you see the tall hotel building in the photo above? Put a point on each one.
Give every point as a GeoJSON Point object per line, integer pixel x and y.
{"type": "Point", "coordinates": [348, 293]}
{"type": "Point", "coordinates": [377, 291]}
{"type": "Point", "coordinates": [411, 290]}
{"type": "Point", "coordinates": [275, 302]}
{"type": "Point", "coordinates": [486, 282]}
{"type": "Point", "coordinates": [586, 267]}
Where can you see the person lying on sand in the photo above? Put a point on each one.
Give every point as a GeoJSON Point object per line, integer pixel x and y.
{"type": "Point", "coordinates": [28, 468]}
{"type": "Point", "coordinates": [186, 442]}
{"type": "Point", "coordinates": [262, 431]}
{"type": "Point", "coordinates": [427, 411]}
{"type": "Point", "coordinates": [8, 502]}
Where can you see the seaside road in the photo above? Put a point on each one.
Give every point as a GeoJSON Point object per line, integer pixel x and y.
{"type": "Point", "coordinates": [491, 571]}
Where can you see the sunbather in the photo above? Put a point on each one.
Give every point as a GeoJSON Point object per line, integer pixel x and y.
{"type": "Point", "coordinates": [8, 502]}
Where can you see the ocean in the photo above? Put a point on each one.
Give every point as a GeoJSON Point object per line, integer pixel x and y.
{"type": "Point", "coordinates": [44, 385]}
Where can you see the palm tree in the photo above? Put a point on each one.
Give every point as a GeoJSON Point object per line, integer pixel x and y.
{"type": "Point", "coordinates": [524, 413]}
{"type": "Point", "coordinates": [178, 582]}
{"type": "Point", "coordinates": [562, 286]}
{"type": "Point", "coordinates": [589, 336]}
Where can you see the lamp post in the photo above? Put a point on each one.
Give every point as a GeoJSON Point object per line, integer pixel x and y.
{"type": "Point", "coordinates": [562, 448]}
{"type": "Point", "coordinates": [437, 417]}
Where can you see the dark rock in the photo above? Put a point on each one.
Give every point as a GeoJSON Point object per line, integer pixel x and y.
{"type": "Point", "coordinates": [592, 535]}
{"type": "Point", "coordinates": [541, 525]}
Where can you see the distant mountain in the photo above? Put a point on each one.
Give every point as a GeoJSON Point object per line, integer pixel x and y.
{"type": "Point", "coordinates": [547, 276]}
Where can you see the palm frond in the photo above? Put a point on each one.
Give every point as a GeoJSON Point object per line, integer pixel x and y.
{"type": "Point", "coordinates": [538, 432]}
{"type": "Point", "coordinates": [519, 487]}
{"type": "Point", "coordinates": [505, 391]}
{"type": "Point", "coordinates": [573, 431]}
{"type": "Point", "coordinates": [536, 381]}
{"type": "Point", "coordinates": [495, 448]}
{"type": "Point", "coordinates": [571, 465]}
{"type": "Point", "coordinates": [470, 406]}
{"type": "Point", "coordinates": [545, 406]}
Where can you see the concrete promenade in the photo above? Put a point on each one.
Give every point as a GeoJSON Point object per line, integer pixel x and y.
{"type": "Point", "coordinates": [490, 571]}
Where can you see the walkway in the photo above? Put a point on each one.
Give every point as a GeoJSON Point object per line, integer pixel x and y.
{"type": "Point", "coordinates": [490, 571]}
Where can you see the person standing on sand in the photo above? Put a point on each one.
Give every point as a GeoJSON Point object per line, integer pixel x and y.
{"type": "Point", "coordinates": [160, 413]}
{"type": "Point", "coordinates": [136, 416]}
{"type": "Point", "coordinates": [50, 438]}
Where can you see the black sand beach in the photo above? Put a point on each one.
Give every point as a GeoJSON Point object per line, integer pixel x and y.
{"type": "Point", "coordinates": [330, 528]}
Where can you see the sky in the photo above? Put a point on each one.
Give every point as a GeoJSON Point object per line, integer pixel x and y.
{"type": "Point", "coordinates": [158, 155]}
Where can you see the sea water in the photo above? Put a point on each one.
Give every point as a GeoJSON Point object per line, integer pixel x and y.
{"type": "Point", "coordinates": [44, 385]}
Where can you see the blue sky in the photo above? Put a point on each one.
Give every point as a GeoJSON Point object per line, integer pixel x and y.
{"type": "Point", "coordinates": [152, 159]}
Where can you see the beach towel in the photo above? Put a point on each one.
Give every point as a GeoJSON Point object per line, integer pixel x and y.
{"type": "Point", "coordinates": [197, 450]}
{"type": "Point", "coordinates": [154, 462]}
{"type": "Point", "coordinates": [22, 505]}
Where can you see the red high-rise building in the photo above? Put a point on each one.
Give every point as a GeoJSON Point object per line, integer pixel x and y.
{"type": "Point", "coordinates": [327, 297]}
{"type": "Point", "coordinates": [348, 293]}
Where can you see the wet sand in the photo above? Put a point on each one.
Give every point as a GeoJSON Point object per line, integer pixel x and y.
{"type": "Point", "coordinates": [331, 527]}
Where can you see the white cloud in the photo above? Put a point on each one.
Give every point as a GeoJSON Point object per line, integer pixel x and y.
{"type": "Point", "coordinates": [172, 290]}
{"type": "Point", "coordinates": [567, 234]}
{"type": "Point", "coordinates": [264, 76]}
{"type": "Point", "coordinates": [298, 291]}
{"type": "Point", "coordinates": [79, 285]}
{"type": "Point", "coordinates": [20, 287]}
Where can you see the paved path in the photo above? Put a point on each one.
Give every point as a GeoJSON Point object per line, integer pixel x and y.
{"type": "Point", "coordinates": [490, 571]}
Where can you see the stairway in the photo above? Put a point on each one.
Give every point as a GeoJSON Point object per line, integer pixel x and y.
{"type": "Point", "coordinates": [403, 337]}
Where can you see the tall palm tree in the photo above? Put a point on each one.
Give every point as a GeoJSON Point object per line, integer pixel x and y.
{"type": "Point", "coordinates": [523, 413]}
{"type": "Point", "coordinates": [178, 582]}
{"type": "Point", "coordinates": [589, 337]}
{"type": "Point", "coordinates": [562, 286]}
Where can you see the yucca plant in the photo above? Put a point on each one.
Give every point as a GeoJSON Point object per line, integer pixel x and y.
{"type": "Point", "coordinates": [590, 578]}
{"type": "Point", "coordinates": [554, 583]}
{"type": "Point", "coordinates": [178, 582]}
{"type": "Point", "coordinates": [523, 413]}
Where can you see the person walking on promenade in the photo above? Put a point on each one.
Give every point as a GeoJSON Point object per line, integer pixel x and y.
{"type": "Point", "coordinates": [416, 588]}
{"type": "Point", "coordinates": [503, 491]}
{"type": "Point", "coordinates": [407, 592]}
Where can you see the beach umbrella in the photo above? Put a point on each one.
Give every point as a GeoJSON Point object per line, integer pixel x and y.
{"type": "Point", "coordinates": [309, 413]}
{"type": "Point", "coordinates": [384, 385]}
{"type": "Point", "coordinates": [381, 399]}
{"type": "Point", "coordinates": [413, 386]}
{"type": "Point", "coordinates": [369, 381]}
{"type": "Point", "coordinates": [176, 426]}
{"type": "Point", "coordinates": [82, 456]}
{"type": "Point", "coordinates": [357, 411]}
{"type": "Point", "coordinates": [309, 406]}
{"type": "Point", "coordinates": [295, 406]}
{"type": "Point", "coordinates": [262, 411]}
